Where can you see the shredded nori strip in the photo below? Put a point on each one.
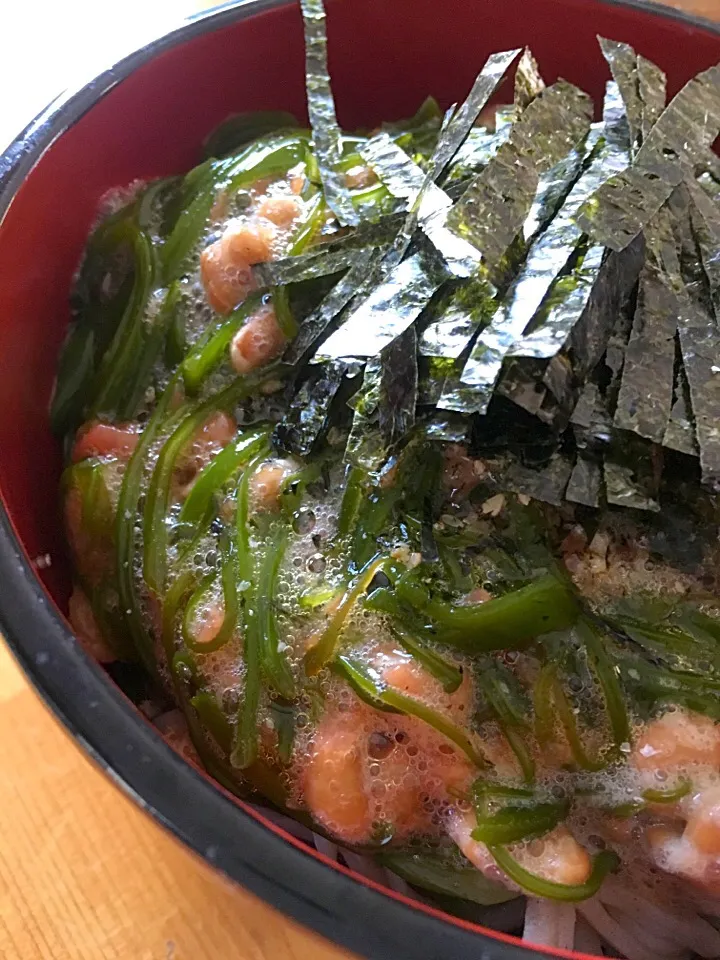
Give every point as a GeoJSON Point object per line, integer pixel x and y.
{"type": "Point", "coordinates": [529, 84]}
{"type": "Point", "coordinates": [642, 86]}
{"type": "Point", "coordinates": [591, 419]}
{"type": "Point", "coordinates": [547, 258]}
{"type": "Point", "coordinates": [506, 169]}
{"type": "Point", "coordinates": [521, 382]}
{"type": "Point", "coordinates": [452, 428]}
{"type": "Point", "coordinates": [406, 180]}
{"type": "Point", "coordinates": [307, 266]}
{"type": "Point", "coordinates": [433, 375]}
{"type": "Point", "coordinates": [548, 329]}
{"type": "Point", "coordinates": [486, 83]}
{"type": "Point", "coordinates": [366, 447]}
{"type": "Point", "coordinates": [623, 468]}
{"type": "Point", "coordinates": [646, 390]}
{"type": "Point", "coordinates": [698, 332]}
{"type": "Point", "coordinates": [470, 306]}
{"type": "Point", "coordinates": [454, 131]}
{"type": "Point", "coordinates": [379, 289]}
{"type": "Point", "coordinates": [563, 305]}
{"type": "Point", "coordinates": [321, 110]}
{"type": "Point", "coordinates": [633, 467]}
{"type": "Point", "coordinates": [680, 432]}
{"type": "Point", "coordinates": [330, 256]}
{"type": "Point", "coordinates": [477, 151]}
{"type": "Point", "coordinates": [587, 340]}
{"type": "Point", "coordinates": [710, 185]}
{"type": "Point", "coordinates": [397, 170]}
{"type": "Point", "coordinates": [552, 190]}
{"type": "Point", "coordinates": [705, 223]}
{"type": "Point", "coordinates": [455, 318]}
{"type": "Point", "coordinates": [610, 465]}
{"type": "Point", "coordinates": [308, 415]}
{"type": "Point", "coordinates": [592, 428]}
{"type": "Point", "coordinates": [398, 387]}
{"type": "Point", "coordinates": [491, 212]}
{"type": "Point", "coordinates": [652, 84]}
{"type": "Point", "coordinates": [388, 311]}
{"type": "Point", "coordinates": [394, 293]}
{"type": "Point", "coordinates": [624, 205]}
{"type": "Point", "coordinates": [332, 305]}
{"type": "Point", "coordinates": [546, 483]}
{"type": "Point", "coordinates": [585, 485]}
{"type": "Point", "coordinates": [623, 63]}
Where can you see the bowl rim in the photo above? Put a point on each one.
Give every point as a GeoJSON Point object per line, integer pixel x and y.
{"type": "Point", "coordinates": [349, 910]}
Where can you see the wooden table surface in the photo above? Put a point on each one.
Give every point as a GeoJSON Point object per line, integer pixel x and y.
{"type": "Point", "coordinates": [84, 875]}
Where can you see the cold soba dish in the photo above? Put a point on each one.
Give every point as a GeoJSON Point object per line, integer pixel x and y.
{"type": "Point", "coordinates": [392, 459]}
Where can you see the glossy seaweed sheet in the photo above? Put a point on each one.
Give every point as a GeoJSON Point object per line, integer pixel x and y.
{"type": "Point", "coordinates": [622, 60]}
{"type": "Point", "coordinates": [389, 310]}
{"type": "Point", "coordinates": [597, 441]}
{"type": "Point", "coordinates": [529, 83]}
{"type": "Point", "coordinates": [314, 326]}
{"type": "Point", "coordinates": [642, 86]}
{"type": "Point", "coordinates": [398, 387]}
{"type": "Point", "coordinates": [366, 446]}
{"type": "Point", "coordinates": [585, 485]}
{"type": "Point", "coordinates": [699, 242]}
{"type": "Point", "coordinates": [309, 412]}
{"type": "Point", "coordinates": [331, 256]}
{"type": "Point", "coordinates": [395, 291]}
{"type": "Point", "coordinates": [591, 425]}
{"type": "Point", "coordinates": [321, 110]}
{"type": "Point", "coordinates": [491, 212]}
{"type": "Point", "coordinates": [534, 304]}
{"type": "Point", "coordinates": [470, 306]}
{"type": "Point", "coordinates": [680, 433]}
{"type": "Point", "coordinates": [646, 391]}
{"type": "Point", "coordinates": [633, 468]}
{"type": "Point", "coordinates": [512, 193]}
{"type": "Point", "coordinates": [489, 283]}
{"type": "Point", "coordinates": [652, 84]}
{"type": "Point", "coordinates": [486, 83]}
{"type": "Point", "coordinates": [406, 180]}
{"type": "Point", "coordinates": [679, 139]}
{"type": "Point", "coordinates": [547, 482]}
{"type": "Point", "coordinates": [566, 297]}
{"type": "Point", "coordinates": [454, 318]}
{"type": "Point", "coordinates": [477, 151]}
{"type": "Point", "coordinates": [602, 302]}
{"type": "Point", "coordinates": [552, 191]}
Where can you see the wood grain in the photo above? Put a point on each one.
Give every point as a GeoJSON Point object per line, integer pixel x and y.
{"type": "Point", "coordinates": [701, 8]}
{"type": "Point", "coordinates": [84, 875]}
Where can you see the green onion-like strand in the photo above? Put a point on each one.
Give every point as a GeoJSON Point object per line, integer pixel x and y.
{"type": "Point", "coordinates": [514, 823]}
{"type": "Point", "coordinates": [378, 690]}
{"type": "Point", "coordinates": [604, 863]}
{"type": "Point", "coordinates": [273, 664]}
{"type": "Point", "coordinates": [323, 651]}
{"type": "Point", "coordinates": [130, 602]}
{"type": "Point", "coordinates": [244, 752]}
{"type": "Point", "coordinates": [507, 622]}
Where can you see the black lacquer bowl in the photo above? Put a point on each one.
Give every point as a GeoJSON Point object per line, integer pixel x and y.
{"type": "Point", "coordinates": [146, 117]}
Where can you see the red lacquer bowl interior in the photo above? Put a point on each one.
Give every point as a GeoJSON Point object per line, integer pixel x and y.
{"type": "Point", "coordinates": [386, 56]}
